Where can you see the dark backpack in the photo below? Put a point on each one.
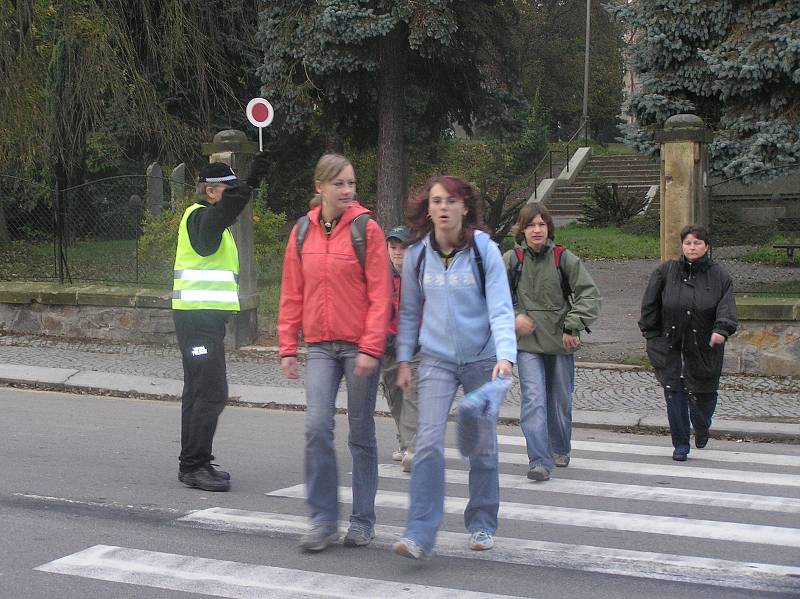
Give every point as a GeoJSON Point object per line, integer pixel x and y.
{"type": "Point", "coordinates": [358, 235]}
{"type": "Point", "coordinates": [420, 266]}
{"type": "Point", "coordinates": [515, 271]}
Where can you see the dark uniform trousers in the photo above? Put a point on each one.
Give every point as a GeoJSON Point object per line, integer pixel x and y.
{"type": "Point", "coordinates": [201, 336]}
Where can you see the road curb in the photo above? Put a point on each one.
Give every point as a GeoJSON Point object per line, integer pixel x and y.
{"type": "Point", "coordinates": [292, 398]}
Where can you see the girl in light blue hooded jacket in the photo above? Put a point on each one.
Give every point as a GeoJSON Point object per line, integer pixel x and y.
{"type": "Point", "coordinates": [456, 308]}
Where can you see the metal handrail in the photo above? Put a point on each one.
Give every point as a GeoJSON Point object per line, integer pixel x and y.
{"type": "Point", "coordinates": [549, 155]}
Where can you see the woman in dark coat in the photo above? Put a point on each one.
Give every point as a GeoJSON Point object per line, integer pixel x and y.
{"type": "Point", "coordinates": [688, 312]}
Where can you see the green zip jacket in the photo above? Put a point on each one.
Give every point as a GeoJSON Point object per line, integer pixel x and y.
{"type": "Point", "coordinates": [539, 295]}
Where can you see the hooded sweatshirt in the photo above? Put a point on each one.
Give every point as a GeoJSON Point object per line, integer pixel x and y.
{"type": "Point", "coordinates": [445, 311]}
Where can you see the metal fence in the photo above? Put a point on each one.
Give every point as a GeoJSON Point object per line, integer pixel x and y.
{"type": "Point", "coordinates": [88, 232]}
{"type": "Point", "coordinates": [27, 231]}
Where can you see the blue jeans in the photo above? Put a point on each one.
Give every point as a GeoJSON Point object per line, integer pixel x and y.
{"type": "Point", "coordinates": [546, 383]}
{"type": "Point", "coordinates": [684, 408]}
{"type": "Point", "coordinates": [437, 384]}
{"type": "Point", "coordinates": [327, 362]}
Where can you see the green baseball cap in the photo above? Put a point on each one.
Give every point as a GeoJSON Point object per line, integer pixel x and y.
{"type": "Point", "coordinates": [400, 233]}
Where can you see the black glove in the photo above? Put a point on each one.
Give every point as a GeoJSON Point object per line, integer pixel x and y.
{"type": "Point", "coordinates": [258, 169]}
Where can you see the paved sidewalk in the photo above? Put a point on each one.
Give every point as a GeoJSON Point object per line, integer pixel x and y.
{"type": "Point", "coordinates": [606, 395]}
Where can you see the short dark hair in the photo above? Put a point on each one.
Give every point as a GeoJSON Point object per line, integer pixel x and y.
{"type": "Point", "coordinates": [526, 215]}
{"type": "Point", "coordinates": [698, 231]}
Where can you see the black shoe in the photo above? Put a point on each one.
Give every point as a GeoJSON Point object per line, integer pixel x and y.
{"type": "Point", "coordinates": [202, 478]}
{"type": "Point", "coordinates": [219, 473]}
{"type": "Point", "coordinates": [680, 456]}
{"type": "Point", "coordinates": [700, 439]}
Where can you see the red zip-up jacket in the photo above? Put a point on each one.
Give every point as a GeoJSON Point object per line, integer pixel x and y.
{"type": "Point", "coordinates": [327, 295]}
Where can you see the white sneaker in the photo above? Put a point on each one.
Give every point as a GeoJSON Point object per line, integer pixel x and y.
{"type": "Point", "coordinates": [481, 541]}
{"type": "Point", "coordinates": [397, 455]}
{"type": "Point", "coordinates": [408, 460]}
{"type": "Point", "coordinates": [409, 548]}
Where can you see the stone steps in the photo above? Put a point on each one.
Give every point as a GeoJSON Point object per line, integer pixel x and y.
{"type": "Point", "coordinates": [635, 174]}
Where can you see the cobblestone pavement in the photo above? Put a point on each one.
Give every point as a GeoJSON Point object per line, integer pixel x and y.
{"type": "Point", "coordinates": [634, 391]}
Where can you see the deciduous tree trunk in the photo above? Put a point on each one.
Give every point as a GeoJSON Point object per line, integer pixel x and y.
{"type": "Point", "coordinates": [391, 177]}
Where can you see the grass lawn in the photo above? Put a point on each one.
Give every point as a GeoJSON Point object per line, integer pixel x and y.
{"type": "Point", "coordinates": [607, 242]}
{"type": "Point", "coordinates": [27, 261]}
{"type": "Point", "coordinates": [766, 254]}
{"type": "Point", "coordinates": [269, 290]}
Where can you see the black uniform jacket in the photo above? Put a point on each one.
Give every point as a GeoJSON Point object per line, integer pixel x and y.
{"type": "Point", "coordinates": [683, 304]}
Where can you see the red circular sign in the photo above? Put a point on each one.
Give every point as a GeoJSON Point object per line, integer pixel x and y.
{"type": "Point", "coordinates": [259, 112]}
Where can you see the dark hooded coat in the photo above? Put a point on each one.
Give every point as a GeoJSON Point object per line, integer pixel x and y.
{"type": "Point", "coordinates": [683, 304]}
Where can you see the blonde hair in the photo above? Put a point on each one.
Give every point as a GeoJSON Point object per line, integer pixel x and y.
{"type": "Point", "coordinates": [328, 166]}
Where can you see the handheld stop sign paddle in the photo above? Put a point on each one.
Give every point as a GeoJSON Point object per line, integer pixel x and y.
{"type": "Point", "coordinates": [260, 114]}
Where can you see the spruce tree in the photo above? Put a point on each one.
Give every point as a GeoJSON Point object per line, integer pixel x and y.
{"type": "Point", "coordinates": [734, 63]}
{"type": "Point", "coordinates": [386, 71]}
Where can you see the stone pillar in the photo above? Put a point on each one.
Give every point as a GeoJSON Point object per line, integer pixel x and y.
{"type": "Point", "coordinates": [232, 147]}
{"type": "Point", "coordinates": [684, 179]}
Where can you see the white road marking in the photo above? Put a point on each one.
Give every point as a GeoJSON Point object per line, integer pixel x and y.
{"type": "Point", "coordinates": [687, 470]}
{"type": "Point", "coordinates": [234, 579]}
{"type": "Point", "coordinates": [606, 560]}
{"type": "Point", "coordinates": [767, 503]}
{"type": "Point", "coordinates": [548, 514]}
{"type": "Point", "coordinates": [716, 455]}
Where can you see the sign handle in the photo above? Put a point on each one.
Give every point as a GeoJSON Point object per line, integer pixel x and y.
{"type": "Point", "coordinates": [260, 139]}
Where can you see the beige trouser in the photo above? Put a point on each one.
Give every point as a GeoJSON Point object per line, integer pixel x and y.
{"type": "Point", "coordinates": [403, 405]}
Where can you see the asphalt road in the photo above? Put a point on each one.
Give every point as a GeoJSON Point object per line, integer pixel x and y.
{"type": "Point", "coordinates": [89, 496]}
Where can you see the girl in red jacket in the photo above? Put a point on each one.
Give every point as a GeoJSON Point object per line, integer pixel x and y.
{"type": "Point", "coordinates": [342, 310]}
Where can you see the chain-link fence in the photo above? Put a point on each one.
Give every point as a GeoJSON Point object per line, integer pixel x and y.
{"type": "Point", "coordinates": [27, 231]}
{"type": "Point", "coordinates": [89, 232]}
{"type": "Point", "coordinates": [757, 237]}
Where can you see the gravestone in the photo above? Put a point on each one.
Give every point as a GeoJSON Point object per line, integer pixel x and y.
{"type": "Point", "coordinates": [155, 188]}
{"type": "Point", "coordinates": [180, 184]}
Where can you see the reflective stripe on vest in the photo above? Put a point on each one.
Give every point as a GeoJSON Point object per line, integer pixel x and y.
{"type": "Point", "coordinates": [205, 282]}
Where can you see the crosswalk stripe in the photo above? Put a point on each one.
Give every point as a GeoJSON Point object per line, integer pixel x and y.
{"type": "Point", "coordinates": [768, 459]}
{"type": "Point", "coordinates": [607, 560]}
{"type": "Point", "coordinates": [233, 579]}
{"type": "Point", "coordinates": [685, 471]}
{"type": "Point", "coordinates": [592, 488]}
{"type": "Point", "coordinates": [548, 514]}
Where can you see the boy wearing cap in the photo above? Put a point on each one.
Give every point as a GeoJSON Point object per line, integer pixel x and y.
{"type": "Point", "coordinates": [205, 293]}
{"type": "Point", "coordinates": [403, 406]}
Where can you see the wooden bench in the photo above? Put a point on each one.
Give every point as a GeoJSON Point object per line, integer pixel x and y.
{"type": "Point", "coordinates": [789, 247]}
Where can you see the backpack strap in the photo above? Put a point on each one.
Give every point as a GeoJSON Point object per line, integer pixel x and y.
{"type": "Point", "coordinates": [566, 290]}
{"type": "Point", "coordinates": [479, 264]}
{"type": "Point", "coordinates": [302, 231]}
{"type": "Point", "coordinates": [358, 236]}
{"type": "Point", "coordinates": [419, 267]}
{"type": "Point", "coordinates": [515, 271]}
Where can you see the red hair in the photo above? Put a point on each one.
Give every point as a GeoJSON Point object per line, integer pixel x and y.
{"type": "Point", "coordinates": [417, 208]}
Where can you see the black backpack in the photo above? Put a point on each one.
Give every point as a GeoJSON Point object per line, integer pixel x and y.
{"type": "Point", "coordinates": [358, 235]}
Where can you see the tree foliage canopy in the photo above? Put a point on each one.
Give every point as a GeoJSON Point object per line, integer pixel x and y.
{"type": "Point", "coordinates": [550, 38]}
{"type": "Point", "coordinates": [734, 63]}
{"type": "Point", "coordinates": [321, 62]}
{"type": "Point", "coordinates": [88, 84]}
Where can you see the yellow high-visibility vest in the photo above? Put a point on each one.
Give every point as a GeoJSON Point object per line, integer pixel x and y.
{"type": "Point", "coordinates": [205, 282]}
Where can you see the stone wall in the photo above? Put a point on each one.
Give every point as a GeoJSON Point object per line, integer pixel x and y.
{"type": "Point", "coordinates": [87, 312]}
{"type": "Point", "coordinates": [122, 314]}
{"type": "Point", "coordinates": [768, 340]}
